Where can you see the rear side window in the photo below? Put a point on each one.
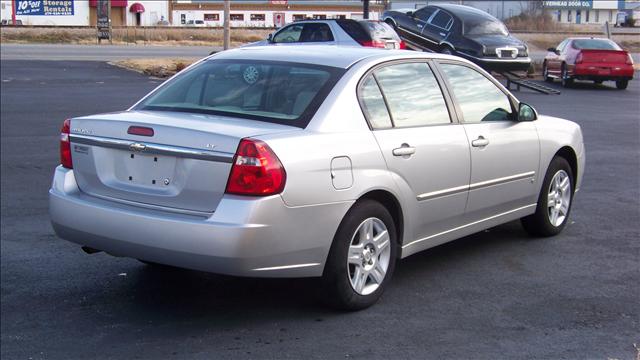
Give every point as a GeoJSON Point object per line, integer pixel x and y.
{"type": "Point", "coordinates": [442, 20]}
{"type": "Point", "coordinates": [413, 96]}
{"type": "Point", "coordinates": [373, 104]}
{"type": "Point", "coordinates": [272, 91]}
{"type": "Point", "coordinates": [355, 30]}
{"type": "Point", "coordinates": [478, 97]}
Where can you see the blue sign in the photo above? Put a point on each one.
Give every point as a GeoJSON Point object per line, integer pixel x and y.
{"type": "Point", "coordinates": [568, 4]}
{"type": "Point", "coordinates": [44, 7]}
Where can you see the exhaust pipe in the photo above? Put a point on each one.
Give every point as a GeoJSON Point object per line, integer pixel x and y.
{"type": "Point", "coordinates": [89, 250]}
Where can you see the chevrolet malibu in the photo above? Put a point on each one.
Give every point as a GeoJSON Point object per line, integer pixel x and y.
{"type": "Point", "coordinates": [313, 161]}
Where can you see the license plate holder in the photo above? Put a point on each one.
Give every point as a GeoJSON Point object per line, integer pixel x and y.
{"type": "Point", "coordinates": [147, 170]}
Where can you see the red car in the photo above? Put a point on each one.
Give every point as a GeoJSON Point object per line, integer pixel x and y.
{"type": "Point", "coordinates": [588, 59]}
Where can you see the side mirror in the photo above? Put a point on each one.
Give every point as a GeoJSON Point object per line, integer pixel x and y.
{"type": "Point", "coordinates": [526, 112]}
{"type": "Point", "coordinates": [270, 38]}
{"type": "Point", "coordinates": [410, 13]}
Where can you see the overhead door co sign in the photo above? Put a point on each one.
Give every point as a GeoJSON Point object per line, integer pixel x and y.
{"type": "Point", "coordinates": [44, 7]}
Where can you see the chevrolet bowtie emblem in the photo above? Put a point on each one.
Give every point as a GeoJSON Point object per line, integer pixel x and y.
{"type": "Point", "coordinates": [137, 147]}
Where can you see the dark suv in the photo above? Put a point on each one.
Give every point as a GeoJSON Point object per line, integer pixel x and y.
{"type": "Point", "coordinates": [464, 31]}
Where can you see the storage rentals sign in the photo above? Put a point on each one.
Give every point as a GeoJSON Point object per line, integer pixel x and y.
{"type": "Point", "coordinates": [44, 7]}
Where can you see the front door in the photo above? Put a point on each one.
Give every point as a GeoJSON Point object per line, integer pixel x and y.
{"type": "Point", "coordinates": [426, 152]}
{"type": "Point", "coordinates": [504, 151]}
{"type": "Point", "coordinates": [439, 26]}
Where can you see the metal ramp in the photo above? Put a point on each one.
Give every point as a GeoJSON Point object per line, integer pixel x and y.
{"type": "Point", "coordinates": [520, 81]}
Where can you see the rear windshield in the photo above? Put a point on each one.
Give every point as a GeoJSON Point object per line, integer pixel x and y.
{"type": "Point", "coordinates": [280, 92]}
{"type": "Point", "coordinates": [595, 44]}
{"type": "Point", "coordinates": [484, 26]}
{"type": "Point", "coordinates": [379, 30]}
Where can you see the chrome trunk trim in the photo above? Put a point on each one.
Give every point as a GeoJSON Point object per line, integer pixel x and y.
{"type": "Point", "coordinates": [151, 148]}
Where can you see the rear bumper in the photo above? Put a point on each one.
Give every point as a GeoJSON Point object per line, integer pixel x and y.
{"type": "Point", "coordinates": [603, 72]}
{"type": "Point", "coordinates": [259, 237]}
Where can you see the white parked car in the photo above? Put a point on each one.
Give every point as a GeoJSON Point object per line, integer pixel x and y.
{"type": "Point", "coordinates": [314, 161]}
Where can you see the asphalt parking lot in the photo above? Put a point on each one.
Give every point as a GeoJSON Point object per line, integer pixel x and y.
{"type": "Point", "coordinates": [495, 295]}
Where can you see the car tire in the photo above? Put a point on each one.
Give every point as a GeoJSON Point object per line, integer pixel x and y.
{"type": "Point", "coordinates": [362, 257]}
{"type": "Point", "coordinates": [622, 84]}
{"type": "Point", "coordinates": [545, 73]}
{"type": "Point", "coordinates": [554, 201]}
{"type": "Point", "coordinates": [567, 81]}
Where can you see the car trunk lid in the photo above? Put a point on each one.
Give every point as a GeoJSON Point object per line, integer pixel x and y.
{"type": "Point", "coordinates": [604, 56]}
{"type": "Point", "coordinates": [184, 165]}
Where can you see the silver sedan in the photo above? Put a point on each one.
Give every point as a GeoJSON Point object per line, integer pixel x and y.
{"type": "Point", "coordinates": [313, 161]}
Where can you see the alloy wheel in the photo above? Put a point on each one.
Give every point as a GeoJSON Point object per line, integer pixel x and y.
{"type": "Point", "coordinates": [559, 198]}
{"type": "Point", "coordinates": [369, 256]}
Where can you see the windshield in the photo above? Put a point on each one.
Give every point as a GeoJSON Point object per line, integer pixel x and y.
{"type": "Point", "coordinates": [480, 26]}
{"type": "Point", "coordinates": [280, 92]}
{"type": "Point", "coordinates": [595, 44]}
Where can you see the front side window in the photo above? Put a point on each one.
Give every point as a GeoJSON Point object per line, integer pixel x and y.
{"type": "Point", "coordinates": [478, 98]}
{"type": "Point", "coordinates": [413, 95]}
{"type": "Point", "coordinates": [424, 14]}
{"type": "Point", "coordinates": [280, 92]}
{"type": "Point", "coordinates": [307, 32]}
{"type": "Point", "coordinates": [289, 34]}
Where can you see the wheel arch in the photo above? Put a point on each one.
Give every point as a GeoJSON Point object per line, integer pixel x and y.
{"type": "Point", "coordinates": [569, 154]}
{"type": "Point", "coordinates": [389, 201]}
{"type": "Point", "coordinates": [391, 21]}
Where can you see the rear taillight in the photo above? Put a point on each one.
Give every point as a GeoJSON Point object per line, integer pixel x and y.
{"type": "Point", "coordinates": [403, 45]}
{"type": "Point", "coordinates": [65, 145]}
{"type": "Point", "coordinates": [629, 59]}
{"type": "Point", "coordinates": [256, 170]}
{"type": "Point", "coordinates": [579, 58]}
{"type": "Point", "coordinates": [374, 43]}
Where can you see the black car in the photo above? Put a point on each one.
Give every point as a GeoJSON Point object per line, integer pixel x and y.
{"type": "Point", "coordinates": [464, 31]}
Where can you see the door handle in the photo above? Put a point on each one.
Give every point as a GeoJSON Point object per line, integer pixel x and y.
{"type": "Point", "coordinates": [420, 26]}
{"type": "Point", "coordinates": [480, 142]}
{"type": "Point", "coordinates": [443, 34]}
{"type": "Point", "coordinates": [404, 150]}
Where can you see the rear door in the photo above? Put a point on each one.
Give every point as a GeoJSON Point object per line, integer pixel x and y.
{"type": "Point", "coordinates": [504, 151]}
{"type": "Point", "coordinates": [426, 151]}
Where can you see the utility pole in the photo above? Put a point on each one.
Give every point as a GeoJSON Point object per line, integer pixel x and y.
{"type": "Point", "coordinates": [365, 9]}
{"type": "Point", "coordinates": [227, 24]}
{"type": "Point", "coordinates": [13, 12]}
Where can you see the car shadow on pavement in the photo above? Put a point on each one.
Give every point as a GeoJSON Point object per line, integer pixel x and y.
{"type": "Point", "coordinates": [173, 294]}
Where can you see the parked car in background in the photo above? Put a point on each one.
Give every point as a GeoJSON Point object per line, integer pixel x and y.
{"type": "Point", "coordinates": [313, 161]}
{"type": "Point", "coordinates": [464, 31]}
{"type": "Point", "coordinates": [593, 59]}
{"type": "Point", "coordinates": [368, 33]}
